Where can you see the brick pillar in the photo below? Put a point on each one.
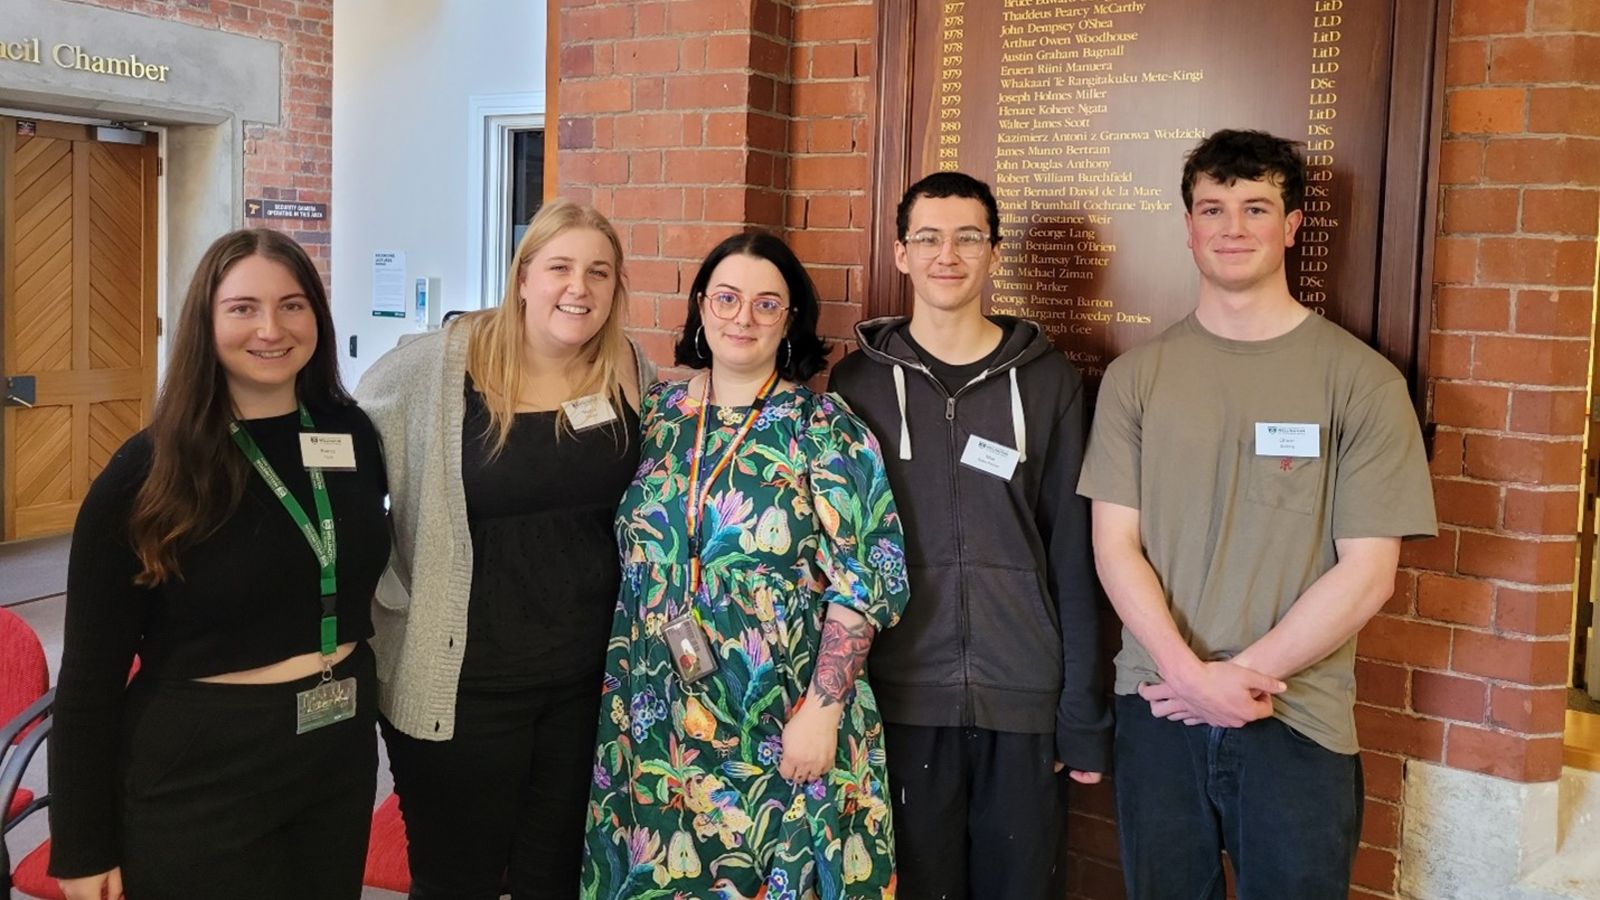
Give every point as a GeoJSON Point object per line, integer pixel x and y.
{"type": "Point", "coordinates": [1467, 666]}
{"type": "Point", "coordinates": [292, 160]}
{"type": "Point", "coordinates": [829, 208]}
{"type": "Point", "coordinates": [683, 121]}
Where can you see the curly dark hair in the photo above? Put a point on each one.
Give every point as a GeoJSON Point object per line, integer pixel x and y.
{"type": "Point", "coordinates": [1228, 156]}
{"type": "Point", "coordinates": [808, 352]}
{"type": "Point", "coordinates": [948, 184]}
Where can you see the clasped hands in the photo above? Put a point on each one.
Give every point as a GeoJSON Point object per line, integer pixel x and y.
{"type": "Point", "coordinates": [1224, 692]}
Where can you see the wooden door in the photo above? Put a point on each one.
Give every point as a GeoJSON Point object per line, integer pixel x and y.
{"type": "Point", "coordinates": [77, 312]}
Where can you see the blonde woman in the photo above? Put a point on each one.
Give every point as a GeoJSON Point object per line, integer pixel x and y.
{"type": "Point", "coordinates": [510, 436]}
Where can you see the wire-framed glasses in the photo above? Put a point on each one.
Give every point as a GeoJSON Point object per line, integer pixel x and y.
{"type": "Point", "coordinates": [764, 310]}
{"type": "Point", "coordinates": [969, 243]}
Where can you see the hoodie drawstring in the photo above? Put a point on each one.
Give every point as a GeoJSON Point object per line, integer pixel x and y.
{"type": "Point", "coordinates": [1019, 422]}
{"type": "Point", "coordinates": [905, 427]}
{"type": "Point", "coordinates": [1019, 425]}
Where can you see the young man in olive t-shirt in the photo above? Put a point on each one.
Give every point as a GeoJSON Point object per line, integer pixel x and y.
{"type": "Point", "coordinates": [1252, 470]}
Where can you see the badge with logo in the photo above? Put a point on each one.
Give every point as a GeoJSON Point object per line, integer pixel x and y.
{"type": "Point", "coordinates": [336, 452]}
{"type": "Point", "coordinates": [990, 457]}
{"type": "Point", "coordinates": [1289, 439]}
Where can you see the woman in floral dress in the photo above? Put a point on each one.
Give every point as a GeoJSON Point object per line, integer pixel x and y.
{"type": "Point", "coordinates": [740, 746]}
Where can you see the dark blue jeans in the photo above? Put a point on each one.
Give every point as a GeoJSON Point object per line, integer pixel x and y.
{"type": "Point", "coordinates": [1285, 809]}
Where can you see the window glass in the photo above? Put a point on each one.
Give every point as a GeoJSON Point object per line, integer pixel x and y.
{"type": "Point", "coordinates": [526, 181]}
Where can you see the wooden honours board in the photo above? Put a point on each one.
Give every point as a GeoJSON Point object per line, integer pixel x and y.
{"type": "Point", "coordinates": [1079, 113]}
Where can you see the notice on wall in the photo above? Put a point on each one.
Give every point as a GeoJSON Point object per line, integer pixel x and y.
{"type": "Point", "coordinates": [285, 209]}
{"type": "Point", "coordinates": [389, 285]}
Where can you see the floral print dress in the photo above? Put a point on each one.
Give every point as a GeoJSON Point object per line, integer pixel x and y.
{"type": "Point", "coordinates": [687, 801]}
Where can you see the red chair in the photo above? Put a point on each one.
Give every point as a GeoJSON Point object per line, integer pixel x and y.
{"type": "Point", "coordinates": [24, 678]}
{"type": "Point", "coordinates": [25, 700]}
{"type": "Point", "coordinates": [388, 860]}
{"type": "Point", "coordinates": [388, 863]}
{"type": "Point", "coordinates": [31, 878]}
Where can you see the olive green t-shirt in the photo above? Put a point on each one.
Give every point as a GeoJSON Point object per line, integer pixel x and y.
{"type": "Point", "coordinates": [1237, 532]}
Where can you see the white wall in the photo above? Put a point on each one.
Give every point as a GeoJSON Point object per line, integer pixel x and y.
{"type": "Point", "coordinates": [402, 76]}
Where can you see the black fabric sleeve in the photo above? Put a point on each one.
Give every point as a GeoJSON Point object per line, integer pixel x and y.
{"type": "Point", "coordinates": [1083, 718]}
{"type": "Point", "coordinates": [104, 622]}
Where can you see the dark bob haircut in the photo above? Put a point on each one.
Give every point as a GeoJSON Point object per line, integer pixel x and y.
{"type": "Point", "coordinates": [948, 184]}
{"type": "Point", "coordinates": [1228, 156]}
{"type": "Point", "coordinates": [807, 354]}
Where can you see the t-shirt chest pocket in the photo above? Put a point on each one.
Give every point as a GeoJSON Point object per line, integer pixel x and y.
{"type": "Point", "coordinates": [1285, 482]}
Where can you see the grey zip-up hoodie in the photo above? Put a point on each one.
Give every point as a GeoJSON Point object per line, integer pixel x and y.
{"type": "Point", "coordinates": [1002, 631]}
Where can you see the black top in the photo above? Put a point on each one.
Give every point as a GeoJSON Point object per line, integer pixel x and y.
{"type": "Point", "coordinates": [249, 596]}
{"type": "Point", "coordinates": [545, 571]}
{"type": "Point", "coordinates": [953, 377]}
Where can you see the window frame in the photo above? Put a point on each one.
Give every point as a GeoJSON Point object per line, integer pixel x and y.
{"type": "Point", "coordinates": [493, 120]}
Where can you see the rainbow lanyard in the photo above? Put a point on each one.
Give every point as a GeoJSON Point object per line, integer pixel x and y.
{"type": "Point", "coordinates": [695, 496]}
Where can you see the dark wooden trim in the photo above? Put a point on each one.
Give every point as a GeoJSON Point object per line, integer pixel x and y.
{"type": "Point", "coordinates": [897, 28]}
{"type": "Point", "coordinates": [8, 140]}
{"type": "Point", "coordinates": [552, 97]}
{"type": "Point", "coordinates": [1404, 311]}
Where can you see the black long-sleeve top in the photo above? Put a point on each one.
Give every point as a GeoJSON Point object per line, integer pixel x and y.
{"type": "Point", "coordinates": [248, 596]}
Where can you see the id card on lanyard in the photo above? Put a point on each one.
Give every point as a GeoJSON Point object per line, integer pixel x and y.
{"type": "Point", "coordinates": [685, 634]}
{"type": "Point", "coordinates": [330, 700]}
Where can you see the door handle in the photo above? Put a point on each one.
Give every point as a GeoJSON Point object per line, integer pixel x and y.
{"type": "Point", "coordinates": [20, 391]}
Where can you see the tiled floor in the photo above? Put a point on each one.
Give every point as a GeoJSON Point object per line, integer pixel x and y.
{"type": "Point", "coordinates": [45, 616]}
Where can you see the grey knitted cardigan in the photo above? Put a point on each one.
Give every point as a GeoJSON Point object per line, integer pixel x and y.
{"type": "Point", "coordinates": [414, 396]}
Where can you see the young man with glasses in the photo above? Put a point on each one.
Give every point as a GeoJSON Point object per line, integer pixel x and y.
{"type": "Point", "coordinates": [990, 685]}
{"type": "Point", "coordinates": [1253, 471]}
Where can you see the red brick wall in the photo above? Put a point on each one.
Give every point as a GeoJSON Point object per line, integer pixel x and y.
{"type": "Point", "coordinates": [292, 160]}
{"type": "Point", "coordinates": [1467, 663]}
{"type": "Point", "coordinates": [685, 121]}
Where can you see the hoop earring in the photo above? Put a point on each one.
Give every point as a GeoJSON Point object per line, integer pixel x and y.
{"type": "Point", "coordinates": [699, 335]}
{"type": "Point", "coordinates": [785, 363]}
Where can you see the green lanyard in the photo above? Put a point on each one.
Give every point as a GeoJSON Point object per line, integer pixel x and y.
{"type": "Point", "coordinates": [322, 545]}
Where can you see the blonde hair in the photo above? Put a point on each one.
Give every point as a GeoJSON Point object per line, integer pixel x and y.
{"type": "Point", "coordinates": [494, 349]}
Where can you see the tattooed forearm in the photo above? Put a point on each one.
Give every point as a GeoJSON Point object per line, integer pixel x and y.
{"type": "Point", "coordinates": [840, 658]}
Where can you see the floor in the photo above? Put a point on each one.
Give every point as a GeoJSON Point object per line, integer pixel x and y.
{"type": "Point", "coordinates": [45, 616]}
{"type": "Point", "coordinates": [33, 569]}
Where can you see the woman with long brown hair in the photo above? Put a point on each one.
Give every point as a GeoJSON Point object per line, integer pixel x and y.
{"type": "Point", "coordinates": [511, 435]}
{"type": "Point", "coordinates": [233, 546]}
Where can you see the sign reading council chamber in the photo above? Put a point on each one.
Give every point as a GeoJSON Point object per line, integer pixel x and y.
{"type": "Point", "coordinates": [30, 51]}
{"type": "Point", "coordinates": [1080, 113]}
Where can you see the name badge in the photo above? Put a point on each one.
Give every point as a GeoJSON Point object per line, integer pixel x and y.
{"type": "Point", "coordinates": [1289, 439]}
{"type": "Point", "coordinates": [689, 648]}
{"type": "Point", "coordinates": [319, 450]}
{"type": "Point", "coordinates": [989, 457]}
{"type": "Point", "coordinates": [588, 412]}
{"type": "Point", "coordinates": [325, 704]}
